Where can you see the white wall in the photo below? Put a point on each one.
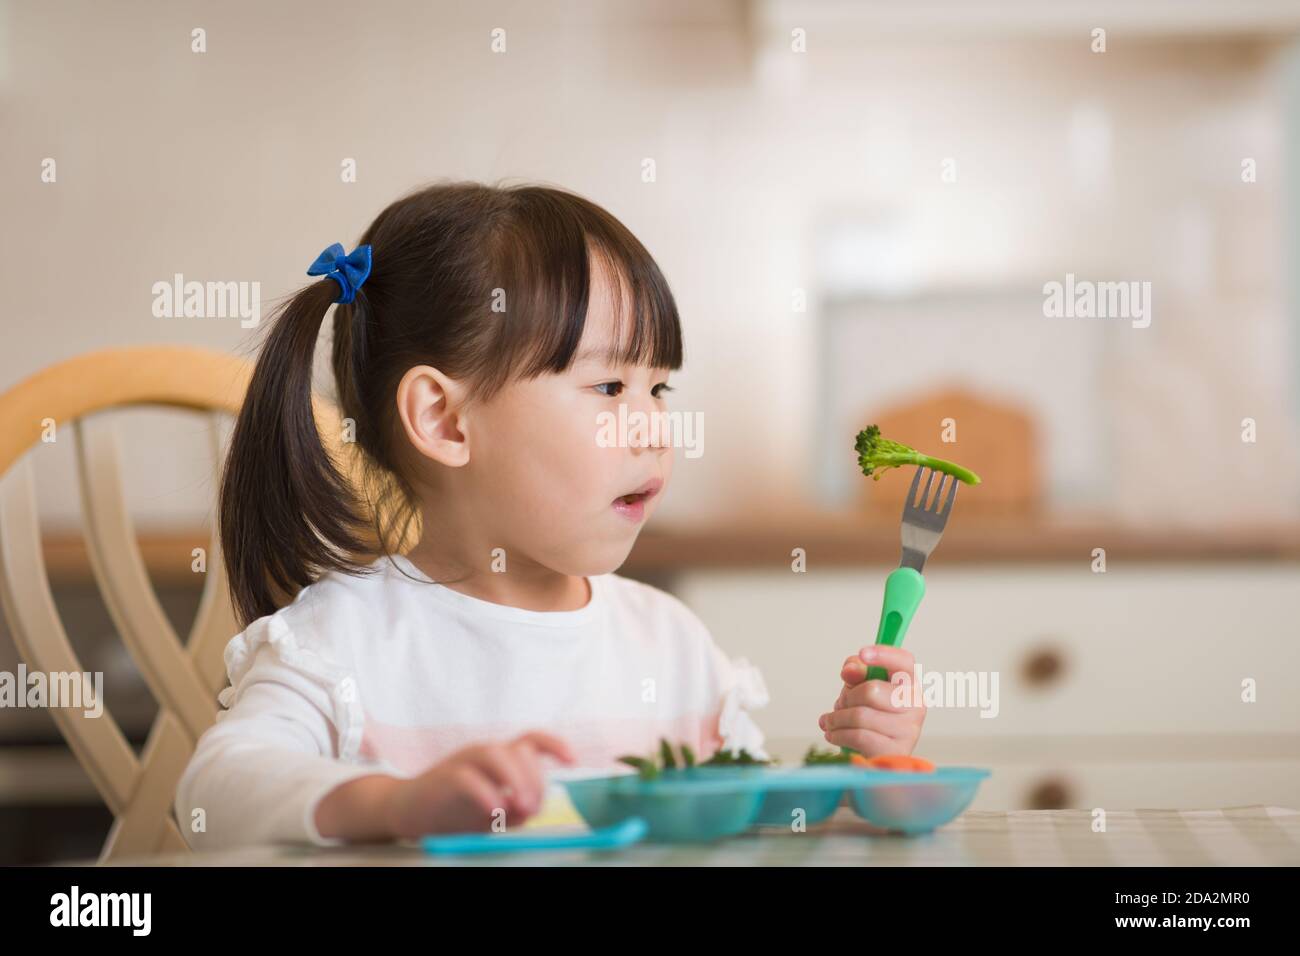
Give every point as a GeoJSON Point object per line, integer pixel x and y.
{"type": "Point", "coordinates": [225, 166]}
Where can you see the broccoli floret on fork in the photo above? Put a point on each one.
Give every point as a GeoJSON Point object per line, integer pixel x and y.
{"type": "Point", "coordinates": [876, 454]}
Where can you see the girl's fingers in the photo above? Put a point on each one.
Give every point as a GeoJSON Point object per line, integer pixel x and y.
{"type": "Point", "coordinates": [869, 743]}
{"type": "Point", "coordinates": [896, 726]}
{"type": "Point", "coordinates": [892, 659]}
{"type": "Point", "coordinates": [529, 747]}
{"type": "Point", "coordinates": [506, 772]}
{"type": "Point", "coordinates": [476, 787]}
{"type": "Point", "coordinates": [855, 691]}
{"type": "Point", "coordinates": [532, 764]}
{"type": "Point", "coordinates": [514, 771]}
{"type": "Point", "coordinates": [880, 695]}
{"type": "Point", "coordinates": [549, 744]}
{"type": "Point", "coordinates": [853, 670]}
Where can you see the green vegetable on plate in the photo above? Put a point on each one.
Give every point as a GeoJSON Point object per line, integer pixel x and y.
{"type": "Point", "coordinates": [816, 756]}
{"type": "Point", "coordinates": [649, 767]}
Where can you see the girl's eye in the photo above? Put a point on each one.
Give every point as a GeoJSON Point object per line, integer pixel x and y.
{"type": "Point", "coordinates": [620, 386]}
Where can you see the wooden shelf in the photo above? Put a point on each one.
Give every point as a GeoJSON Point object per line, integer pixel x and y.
{"type": "Point", "coordinates": [854, 540]}
{"type": "Point", "coordinates": [828, 540]}
{"type": "Point", "coordinates": [168, 556]}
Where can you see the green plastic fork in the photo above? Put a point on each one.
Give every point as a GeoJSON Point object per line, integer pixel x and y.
{"type": "Point", "coordinates": [923, 523]}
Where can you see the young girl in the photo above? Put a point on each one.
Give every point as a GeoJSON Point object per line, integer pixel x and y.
{"type": "Point", "coordinates": [374, 695]}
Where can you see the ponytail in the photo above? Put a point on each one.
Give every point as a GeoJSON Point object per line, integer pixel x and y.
{"type": "Point", "coordinates": [287, 514]}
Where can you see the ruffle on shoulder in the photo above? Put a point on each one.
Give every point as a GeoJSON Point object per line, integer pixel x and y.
{"type": "Point", "coordinates": [748, 691]}
{"type": "Point", "coordinates": [275, 632]}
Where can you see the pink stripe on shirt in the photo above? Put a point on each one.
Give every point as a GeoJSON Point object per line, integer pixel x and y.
{"type": "Point", "coordinates": [595, 743]}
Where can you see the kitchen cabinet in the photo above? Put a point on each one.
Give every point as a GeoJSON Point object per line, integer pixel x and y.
{"type": "Point", "coordinates": [1125, 688]}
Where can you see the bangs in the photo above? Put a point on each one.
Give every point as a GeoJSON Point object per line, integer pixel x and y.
{"type": "Point", "coordinates": [546, 247]}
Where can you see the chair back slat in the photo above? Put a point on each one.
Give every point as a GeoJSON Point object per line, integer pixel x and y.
{"type": "Point", "coordinates": [97, 742]}
{"type": "Point", "coordinates": [214, 623]}
{"type": "Point", "coordinates": [145, 825]}
{"type": "Point", "coordinates": [124, 581]}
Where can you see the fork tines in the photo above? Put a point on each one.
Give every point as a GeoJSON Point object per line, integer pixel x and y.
{"type": "Point", "coordinates": [931, 512]}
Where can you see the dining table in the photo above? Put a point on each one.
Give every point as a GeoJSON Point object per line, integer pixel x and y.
{"type": "Point", "coordinates": [1228, 836]}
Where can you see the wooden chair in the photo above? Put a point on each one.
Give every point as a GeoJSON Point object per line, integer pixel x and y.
{"type": "Point", "coordinates": [184, 677]}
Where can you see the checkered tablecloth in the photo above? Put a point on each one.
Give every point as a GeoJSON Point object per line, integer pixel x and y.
{"type": "Point", "coordinates": [1236, 836]}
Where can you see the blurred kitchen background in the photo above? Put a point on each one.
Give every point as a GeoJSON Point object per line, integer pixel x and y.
{"type": "Point", "coordinates": [858, 206]}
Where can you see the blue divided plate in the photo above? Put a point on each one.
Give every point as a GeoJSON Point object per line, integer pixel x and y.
{"type": "Point", "coordinates": [700, 804]}
{"type": "Point", "coordinates": [891, 799]}
{"type": "Point", "coordinates": [915, 802]}
{"type": "Point", "coordinates": [680, 805]}
{"type": "Point", "coordinates": [816, 791]}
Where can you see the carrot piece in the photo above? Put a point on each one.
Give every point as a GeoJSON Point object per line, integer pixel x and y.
{"type": "Point", "coordinates": [905, 762]}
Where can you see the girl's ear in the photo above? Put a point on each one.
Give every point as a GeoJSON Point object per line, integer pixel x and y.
{"type": "Point", "coordinates": [432, 409]}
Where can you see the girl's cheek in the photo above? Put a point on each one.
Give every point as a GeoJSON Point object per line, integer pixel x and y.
{"type": "Point", "coordinates": [668, 471]}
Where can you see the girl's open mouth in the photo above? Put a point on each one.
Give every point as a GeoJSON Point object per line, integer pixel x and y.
{"type": "Point", "coordinates": [632, 506]}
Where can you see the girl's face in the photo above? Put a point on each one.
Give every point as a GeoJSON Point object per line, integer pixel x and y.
{"type": "Point", "coordinates": [546, 461]}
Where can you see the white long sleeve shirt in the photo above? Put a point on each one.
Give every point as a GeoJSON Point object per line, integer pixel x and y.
{"type": "Point", "coordinates": [391, 672]}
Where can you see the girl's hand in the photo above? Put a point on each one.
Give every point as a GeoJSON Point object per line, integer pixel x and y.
{"type": "Point", "coordinates": [466, 790]}
{"type": "Point", "coordinates": [864, 718]}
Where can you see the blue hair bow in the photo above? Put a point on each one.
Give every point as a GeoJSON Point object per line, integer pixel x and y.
{"type": "Point", "coordinates": [348, 271]}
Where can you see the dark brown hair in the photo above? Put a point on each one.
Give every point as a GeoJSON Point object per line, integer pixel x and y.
{"type": "Point", "coordinates": [441, 256]}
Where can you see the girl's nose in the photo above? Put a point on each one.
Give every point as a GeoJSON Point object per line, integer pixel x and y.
{"type": "Point", "coordinates": [653, 429]}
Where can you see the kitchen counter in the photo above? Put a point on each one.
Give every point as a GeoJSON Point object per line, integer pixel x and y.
{"type": "Point", "coordinates": [828, 540]}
